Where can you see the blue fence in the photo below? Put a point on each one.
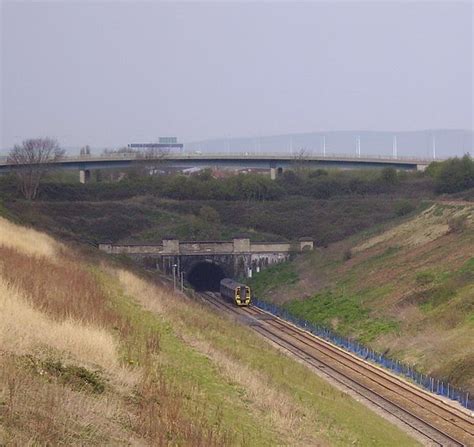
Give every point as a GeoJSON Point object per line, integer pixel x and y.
{"type": "Point", "coordinates": [429, 383]}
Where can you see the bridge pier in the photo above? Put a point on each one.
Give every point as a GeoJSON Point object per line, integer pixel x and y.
{"type": "Point", "coordinates": [275, 172]}
{"type": "Point", "coordinates": [84, 176]}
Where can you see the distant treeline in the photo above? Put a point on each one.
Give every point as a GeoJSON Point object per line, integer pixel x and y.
{"type": "Point", "coordinates": [450, 176]}
{"type": "Point", "coordinates": [318, 184]}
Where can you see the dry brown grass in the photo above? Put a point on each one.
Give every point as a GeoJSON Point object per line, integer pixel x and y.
{"type": "Point", "coordinates": [55, 310]}
{"type": "Point", "coordinates": [24, 329]}
{"type": "Point", "coordinates": [162, 417]}
{"type": "Point", "coordinates": [421, 229]}
{"type": "Point", "coordinates": [38, 410]}
{"type": "Point", "coordinates": [61, 289]}
{"type": "Point", "coordinates": [27, 240]}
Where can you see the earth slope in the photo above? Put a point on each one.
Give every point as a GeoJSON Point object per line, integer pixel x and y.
{"type": "Point", "coordinates": [406, 290]}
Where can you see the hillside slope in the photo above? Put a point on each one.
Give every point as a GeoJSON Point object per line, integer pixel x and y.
{"type": "Point", "coordinates": [407, 290]}
{"type": "Point", "coordinates": [112, 357]}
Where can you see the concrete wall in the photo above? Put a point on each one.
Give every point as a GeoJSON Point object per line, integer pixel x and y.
{"type": "Point", "coordinates": [206, 247]}
{"type": "Point", "coordinates": [241, 245]}
{"type": "Point", "coordinates": [263, 247]}
{"type": "Point", "coordinates": [131, 249]}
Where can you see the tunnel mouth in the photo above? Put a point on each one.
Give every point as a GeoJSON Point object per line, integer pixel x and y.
{"type": "Point", "coordinates": [205, 276]}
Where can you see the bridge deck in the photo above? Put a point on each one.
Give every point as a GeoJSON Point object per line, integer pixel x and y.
{"type": "Point", "coordinates": [265, 157]}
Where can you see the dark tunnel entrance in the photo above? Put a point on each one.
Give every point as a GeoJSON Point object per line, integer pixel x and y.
{"type": "Point", "coordinates": [206, 276]}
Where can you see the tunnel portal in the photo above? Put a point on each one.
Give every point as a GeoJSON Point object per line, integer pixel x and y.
{"type": "Point", "coordinates": [205, 275]}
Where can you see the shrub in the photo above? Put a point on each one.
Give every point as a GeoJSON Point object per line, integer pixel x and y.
{"type": "Point", "coordinates": [454, 175]}
{"type": "Point", "coordinates": [389, 176]}
{"type": "Point", "coordinates": [457, 224]}
{"type": "Point", "coordinates": [209, 214]}
{"type": "Point", "coordinates": [347, 254]}
{"type": "Point", "coordinates": [424, 278]}
{"type": "Point", "coordinates": [404, 207]}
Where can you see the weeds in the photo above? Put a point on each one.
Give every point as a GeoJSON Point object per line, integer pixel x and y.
{"type": "Point", "coordinates": [77, 377]}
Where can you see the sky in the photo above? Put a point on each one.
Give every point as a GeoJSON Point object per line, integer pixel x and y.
{"type": "Point", "coordinates": [109, 73]}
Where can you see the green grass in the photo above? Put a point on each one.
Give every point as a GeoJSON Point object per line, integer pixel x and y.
{"type": "Point", "coordinates": [441, 287]}
{"type": "Point", "coordinates": [191, 373]}
{"type": "Point", "coordinates": [342, 308]}
{"type": "Point", "coordinates": [328, 412]}
{"type": "Point", "coordinates": [343, 312]}
{"type": "Point", "coordinates": [274, 276]}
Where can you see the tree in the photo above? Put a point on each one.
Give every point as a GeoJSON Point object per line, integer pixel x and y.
{"type": "Point", "coordinates": [86, 150]}
{"type": "Point", "coordinates": [31, 161]}
{"type": "Point", "coordinates": [300, 160]}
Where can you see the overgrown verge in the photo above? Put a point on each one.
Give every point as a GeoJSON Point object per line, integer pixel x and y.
{"type": "Point", "coordinates": [110, 358]}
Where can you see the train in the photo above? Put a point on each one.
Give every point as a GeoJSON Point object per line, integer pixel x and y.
{"type": "Point", "coordinates": [236, 292]}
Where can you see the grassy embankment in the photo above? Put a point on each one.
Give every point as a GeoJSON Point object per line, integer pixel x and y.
{"type": "Point", "coordinates": [94, 354]}
{"type": "Point", "coordinates": [406, 289]}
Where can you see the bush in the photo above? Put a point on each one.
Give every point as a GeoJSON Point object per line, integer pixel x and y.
{"type": "Point", "coordinates": [389, 176]}
{"type": "Point", "coordinates": [209, 215]}
{"type": "Point", "coordinates": [404, 207]}
{"type": "Point", "coordinates": [454, 175]}
{"type": "Point", "coordinates": [347, 254]}
{"type": "Point", "coordinates": [425, 278]}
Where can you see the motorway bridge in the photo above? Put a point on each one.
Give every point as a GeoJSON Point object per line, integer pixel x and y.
{"type": "Point", "coordinates": [273, 162]}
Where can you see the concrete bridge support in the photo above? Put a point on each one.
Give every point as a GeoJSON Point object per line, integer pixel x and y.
{"type": "Point", "coordinates": [84, 176]}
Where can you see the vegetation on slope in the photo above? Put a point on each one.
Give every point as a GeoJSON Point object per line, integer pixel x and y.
{"type": "Point", "coordinates": [407, 290]}
{"type": "Point", "coordinates": [141, 213]}
{"type": "Point", "coordinates": [109, 357]}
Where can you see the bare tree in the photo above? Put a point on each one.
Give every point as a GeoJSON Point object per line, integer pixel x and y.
{"type": "Point", "coordinates": [85, 150]}
{"type": "Point", "coordinates": [32, 160]}
{"type": "Point", "coordinates": [300, 160]}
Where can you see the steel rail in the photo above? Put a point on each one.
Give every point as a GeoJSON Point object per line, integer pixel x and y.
{"type": "Point", "coordinates": [377, 371]}
{"type": "Point", "coordinates": [427, 429]}
{"type": "Point", "coordinates": [404, 392]}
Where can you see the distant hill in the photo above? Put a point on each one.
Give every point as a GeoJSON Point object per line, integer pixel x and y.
{"type": "Point", "coordinates": [449, 142]}
{"type": "Point", "coordinates": [409, 143]}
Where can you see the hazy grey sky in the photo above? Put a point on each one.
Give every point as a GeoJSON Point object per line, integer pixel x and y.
{"type": "Point", "coordinates": [106, 73]}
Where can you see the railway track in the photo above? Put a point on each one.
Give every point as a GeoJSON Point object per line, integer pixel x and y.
{"type": "Point", "coordinates": [434, 420]}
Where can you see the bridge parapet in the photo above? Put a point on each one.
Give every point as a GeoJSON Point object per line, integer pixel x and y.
{"type": "Point", "coordinates": [236, 246]}
{"type": "Point", "coordinates": [213, 247]}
